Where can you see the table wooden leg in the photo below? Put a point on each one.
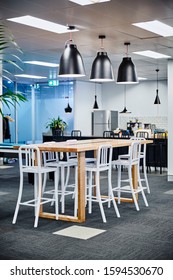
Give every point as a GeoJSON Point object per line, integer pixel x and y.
{"type": "Point", "coordinates": [81, 187]}
{"type": "Point", "coordinates": [135, 178]}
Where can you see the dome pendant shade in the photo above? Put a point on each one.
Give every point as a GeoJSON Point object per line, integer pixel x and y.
{"type": "Point", "coordinates": [71, 63]}
{"type": "Point", "coordinates": [102, 70]}
{"type": "Point", "coordinates": [95, 103]}
{"type": "Point", "coordinates": [127, 72]}
{"type": "Point", "coordinates": [68, 109]}
{"type": "Point", "coordinates": [157, 99]}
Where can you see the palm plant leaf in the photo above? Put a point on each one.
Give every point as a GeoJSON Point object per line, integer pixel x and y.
{"type": "Point", "coordinates": [8, 47]}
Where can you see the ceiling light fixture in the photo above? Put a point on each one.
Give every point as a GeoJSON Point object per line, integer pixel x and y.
{"type": "Point", "coordinates": [30, 76]}
{"type": "Point", "coordinates": [102, 70]}
{"type": "Point", "coordinates": [125, 111]}
{"type": "Point", "coordinates": [156, 27]}
{"type": "Point", "coordinates": [127, 71]}
{"type": "Point", "coordinates": [42, 63]}
{"type": "Point", "coordinates": [88, 2]}
{"type": "Point", "coordinates": [152, 54]}
{"type": "Point", "coordinates": [157, 99]}
{"type": "Point", "coordinates": [71, 63]}
{"type": "Point", "coordinates": [41, 24]}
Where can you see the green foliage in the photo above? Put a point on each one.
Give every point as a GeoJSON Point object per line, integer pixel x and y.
{"type": "Point", "coordinates": [56, 124]}
{"type": "Point", "coordinates": [8, 52]}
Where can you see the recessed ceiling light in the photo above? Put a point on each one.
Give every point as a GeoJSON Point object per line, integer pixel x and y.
{"type": "Point", "coordinates": [157, 27]}
{"type": "Point", "coordinates": [141, 78]}
{"type": "Point", "coordinates": [152, 54]}
{"type": "Point", "coordinates": [41, 63]}
{"type": "Point", "coordinates": [88, 2]}
{"type": "Point", "coordinates": [42, 24]}
{"type": "Point", "coordinates": [30, 76]}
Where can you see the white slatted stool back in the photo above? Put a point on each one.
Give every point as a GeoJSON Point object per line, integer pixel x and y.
{"type": "Point", "coordinates": [102, 164]}
{"type": "Point", "coordinates": [30, 162]}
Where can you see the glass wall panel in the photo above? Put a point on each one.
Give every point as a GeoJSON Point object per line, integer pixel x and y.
{"type": "Point", "coordinates": [50, 102]}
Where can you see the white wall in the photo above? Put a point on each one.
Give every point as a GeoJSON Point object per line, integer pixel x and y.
{"type": "Point", "coordinates": [139, 98]}
{"type": "Point", "coordinates": [84, 98]}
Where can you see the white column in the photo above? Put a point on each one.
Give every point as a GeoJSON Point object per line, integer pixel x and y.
{"type": "Point", "coordinates": [170, 118]}
{"type": "Point", "coordinates": [33, 113]}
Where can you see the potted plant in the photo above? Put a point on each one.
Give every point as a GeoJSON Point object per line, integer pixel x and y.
{"type": "Point", "coordinates": [8, 49]}
{"type": "Point", "coordinates": [56, 124]}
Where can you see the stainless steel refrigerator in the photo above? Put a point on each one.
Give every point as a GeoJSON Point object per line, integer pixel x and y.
{"type": "Point", "coordinates": [104, 120]}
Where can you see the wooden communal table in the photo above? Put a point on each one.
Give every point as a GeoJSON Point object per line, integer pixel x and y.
{"type": "Point", "coordinates": [80, 147]}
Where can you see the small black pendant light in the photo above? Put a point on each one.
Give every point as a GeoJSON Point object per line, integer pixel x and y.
{"type": "Point", "coordinates": [157, 99]}
{"type": "Point", "coordinates": [102, 70]}
{"type": "Point", "coordinates": [95, 102]}
{"type": "Point", "coordinates": [125, 111]}
{"type": "Point", "coordinates": [127, 70]}
{"type": "Point", "coordinates": [68, 109]}
{"type": "Point", "coordinates": [71, 63]}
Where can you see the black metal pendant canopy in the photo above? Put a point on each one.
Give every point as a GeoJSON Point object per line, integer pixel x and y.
{"type": "Point", "coordinates": [102, 70]}
{"type": "Point", "coordinates": [71, 63]}
{"type": "Point", "coordinates": [157, 99]}
{"type": "Point", "coordinates": [127, 70]}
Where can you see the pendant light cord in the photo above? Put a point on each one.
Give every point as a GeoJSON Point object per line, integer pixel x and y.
{"type": "Point", "coordinates": [125, 96]}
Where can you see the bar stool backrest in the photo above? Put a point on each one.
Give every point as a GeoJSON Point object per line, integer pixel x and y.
{"type": "Point", "coordinates": [143, 146]}
{"type": "Point", "coordinates": [108, 133]}
{"type": "Point", "coordinates": [76, 133]}
{"type": "Point", "coordinates": [135, 153]}
{"type": "Point", "coordinates": [104, 157]}
{"type": "Point", "coordinates": [29, 158]}
{"type": "Point", "coordinates": [143, 134]}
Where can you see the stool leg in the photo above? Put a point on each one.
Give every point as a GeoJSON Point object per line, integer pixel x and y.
{"type": "Point", "coordinates": [19, 199]}
{"type": "Point", "coordinates": [145, 175]}
{"type": "Point", "coordinates": [56, 192]}
{"type": "Point", "coordinates": [38, 200]}
{"type": "Point", "coordinates": [98, 195]}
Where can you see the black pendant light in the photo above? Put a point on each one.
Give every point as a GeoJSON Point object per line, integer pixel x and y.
{"type": "Point", "coordinates": [68, 109]}
{"type": "Point", "coordinates": [127, 70]}
{"type": "Point", "coordinates": [102, 70]}
{"type": "Point", "coordinates": [157, 99]}
{"type": "Point", "coordinates": [125, 111]}
{"type": "Point", "coordinates": [71, 63]}
{"type": "Point", "coordinates": [95, 102]}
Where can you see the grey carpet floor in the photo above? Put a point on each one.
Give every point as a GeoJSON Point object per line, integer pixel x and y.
{"type": "Point", "coordinates": [147, 234]}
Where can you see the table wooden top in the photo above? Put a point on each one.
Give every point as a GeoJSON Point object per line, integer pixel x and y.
{"type": "Point", "coordinates": [84, 145]}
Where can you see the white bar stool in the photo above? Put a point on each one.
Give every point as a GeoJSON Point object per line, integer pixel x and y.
{"type": "Point", "coordinates": [133, 158]}
{"type": "Point", "coordinates": [102, 164]}
{"type": "Point", "coordinates": [30, 162]}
